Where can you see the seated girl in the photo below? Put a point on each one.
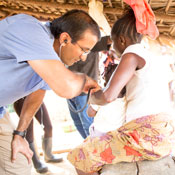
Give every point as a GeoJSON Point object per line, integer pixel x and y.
{"type": "Point", "coordinates": [148, 133]}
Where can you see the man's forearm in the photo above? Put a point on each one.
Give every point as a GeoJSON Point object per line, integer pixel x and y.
{"type": "Point", "coordinates": [78, 84]}
{"type": "Point", "coordinates": [30, 107]}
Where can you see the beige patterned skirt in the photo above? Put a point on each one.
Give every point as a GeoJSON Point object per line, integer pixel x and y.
{"type": "Point", "coordinates": [149, 137]}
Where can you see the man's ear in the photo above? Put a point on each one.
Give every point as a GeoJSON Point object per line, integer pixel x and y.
{"type": "Point", "coordinates": [64, 38]}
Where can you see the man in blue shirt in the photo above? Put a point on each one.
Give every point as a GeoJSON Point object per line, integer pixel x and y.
{"type": "Point", "coordinates": [32, 59]}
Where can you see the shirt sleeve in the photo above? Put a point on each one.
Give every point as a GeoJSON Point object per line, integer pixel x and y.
{"type": "Point", "coordinates": [137, 49]}
{"type": "Point", "coordinates": [29, 40]}
{"type": "Point", "coordinates": [95, 107]}
{"type": "Point", "coordinates": [101, 45]}
{"type": "Point", "coordinates": [46, 86]}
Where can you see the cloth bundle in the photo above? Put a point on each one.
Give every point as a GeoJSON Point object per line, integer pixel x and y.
{"type": "Point", "coordinates": [145, 18]}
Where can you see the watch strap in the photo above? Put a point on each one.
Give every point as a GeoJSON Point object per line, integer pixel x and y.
{"type": "Point", "coordinates": [20, 133]}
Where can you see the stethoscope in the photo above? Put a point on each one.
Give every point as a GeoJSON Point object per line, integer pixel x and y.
{"type": "Point", "coordinates": [70, 107]}
{"type": "Point", "coordinates": [79, 110]}
{"type": "Point", "coordinates": [87, 99]}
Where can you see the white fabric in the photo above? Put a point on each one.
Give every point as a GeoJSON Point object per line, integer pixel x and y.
{"type": "Point", "coordinates": [96, 12]}
{"type": "Point", "coordinates": [108, 117]}
{"type": "Point", "coordinates": [147, 92]}
{"type": "Point", "coordinates": [95, 107]}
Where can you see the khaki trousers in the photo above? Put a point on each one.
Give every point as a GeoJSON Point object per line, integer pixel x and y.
{"type": "Point", "coordinates": [20, 166]}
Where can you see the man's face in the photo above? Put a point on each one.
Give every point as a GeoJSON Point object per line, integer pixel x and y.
{"type": "Point", "coordinates": [73, 52]}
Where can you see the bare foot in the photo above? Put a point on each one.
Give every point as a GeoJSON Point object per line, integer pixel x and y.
{"type": "Point", "coordinates": [79, 172]}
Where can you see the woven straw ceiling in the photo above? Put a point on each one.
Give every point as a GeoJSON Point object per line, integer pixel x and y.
{"type": "Point", "coordinates": [113, 9]}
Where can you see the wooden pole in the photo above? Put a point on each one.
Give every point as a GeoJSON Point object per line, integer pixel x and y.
{"type": "Point", "coordinates": [59, 151]}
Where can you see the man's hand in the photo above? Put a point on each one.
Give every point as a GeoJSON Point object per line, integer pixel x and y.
{"type": "Point", "coordinates": [20, 145]}
{"type": "Point", "coordinates": [91, 84]}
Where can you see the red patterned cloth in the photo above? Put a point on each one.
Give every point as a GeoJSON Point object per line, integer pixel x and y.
{"type": "Point", "coordinates": [146, 138]}
{"type": "Point", "coordinates": [145, 18]}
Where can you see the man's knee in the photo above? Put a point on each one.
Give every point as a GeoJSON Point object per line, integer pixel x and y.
{"type": "Point", "coordinates": [19, 167]}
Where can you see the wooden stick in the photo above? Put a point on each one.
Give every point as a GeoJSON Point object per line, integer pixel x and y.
{"type": "Point", "coordinates": [58, 151]}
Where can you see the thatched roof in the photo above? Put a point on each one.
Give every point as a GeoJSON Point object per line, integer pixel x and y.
{"type": "Point", "coordinates": [50, 9]}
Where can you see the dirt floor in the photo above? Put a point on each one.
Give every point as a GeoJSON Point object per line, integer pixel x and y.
{"type": "Point", "coordinates": [62, 142]}
{"type": "Point", "coordinates": [63, 168]}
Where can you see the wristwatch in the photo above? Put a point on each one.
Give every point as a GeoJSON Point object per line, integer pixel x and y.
{"type": "Point", "coordinates": [20, 133]}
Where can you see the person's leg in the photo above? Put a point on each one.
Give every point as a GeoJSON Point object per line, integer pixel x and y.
{"type": "Point", "coordinates": [81, 120]}
{"type": "Point", "coordinates": [29, 134]}
{"type": "Point", "coordinates": [43, 118]}
{"type": "Point", "coordinates": [151, 138]}
{"type": "Point", "coordinates": [85, 119]}
{"type": "Point", "coordinates": [75, 117]}
{"type": "Point", "coordinates": [39, 166]}
{"type": "Point", "coordinates": [18, 106]}
{"type": "Point", "coordinates": [20, 166]}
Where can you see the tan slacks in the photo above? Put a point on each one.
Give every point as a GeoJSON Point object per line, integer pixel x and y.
{"type": "Point", "coordinates": [20, 166]}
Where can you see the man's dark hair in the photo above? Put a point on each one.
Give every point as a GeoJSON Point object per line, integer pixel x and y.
{"type": "Point", "coordinates": [126, 26]}
{"type": "Point", "coordinates": [75, 23]}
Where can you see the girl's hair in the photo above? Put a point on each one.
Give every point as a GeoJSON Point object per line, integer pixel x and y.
{"type": "Point", "coordinates": [75, 23]}
{"type": "Point", "coordinates": [126, 26]}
